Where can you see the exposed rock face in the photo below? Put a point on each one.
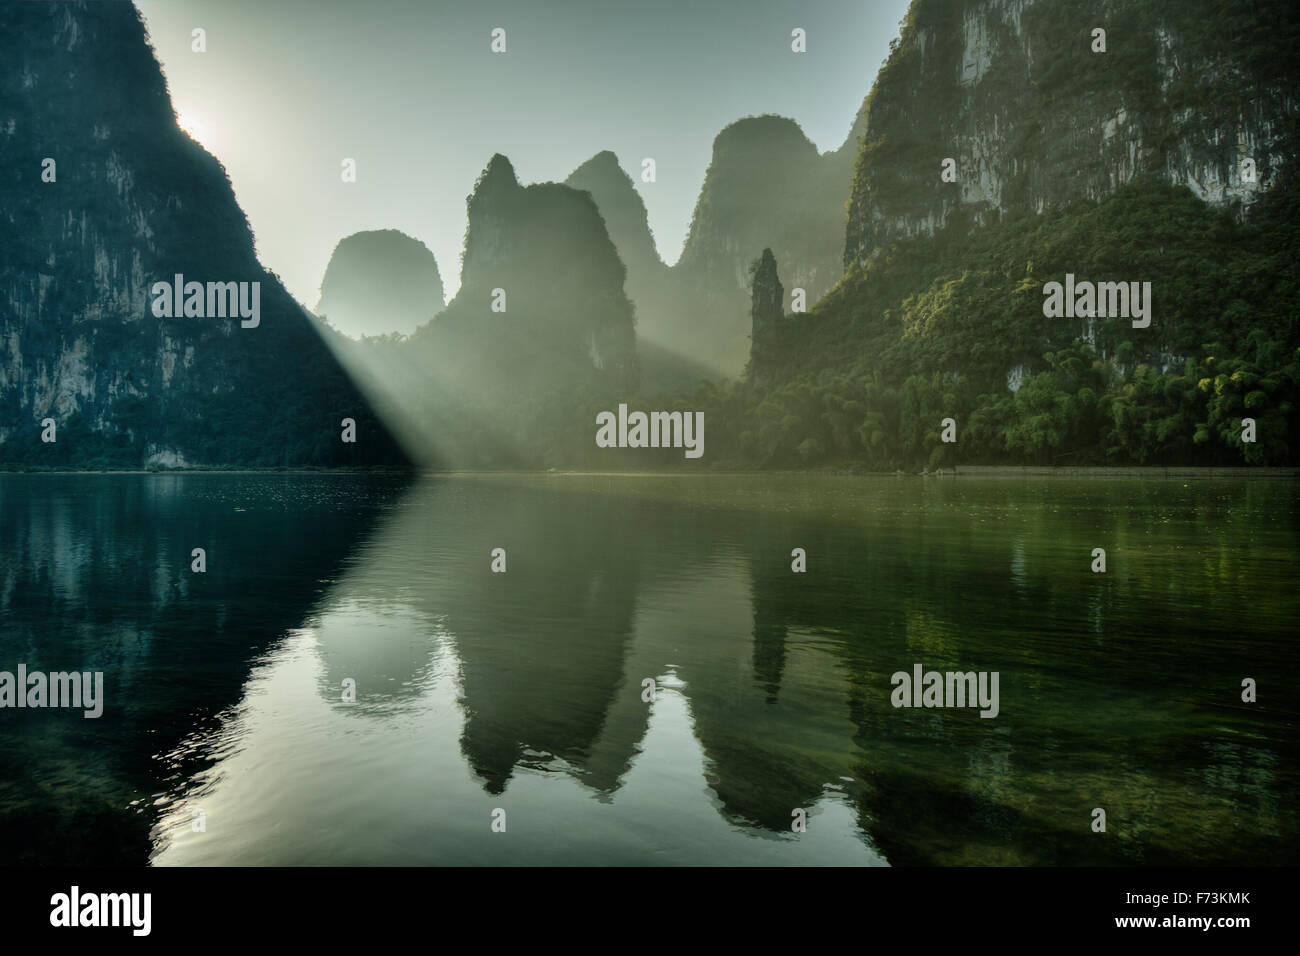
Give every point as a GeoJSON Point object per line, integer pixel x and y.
{"type": "Point", "coordinates": [380, 282]}
{"type": "Point", "coordinates": [101, 196]}
{"type": "Point", "coordinates": [1013, 91]}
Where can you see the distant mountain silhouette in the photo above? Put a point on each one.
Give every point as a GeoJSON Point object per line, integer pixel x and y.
{"type": "Point", "coordinates": [669, 359]}
{"type": "Point", "coordinates": [766, 187]}
{"type": "Point", "coordinates": [380, 282]}
{"type": "Point", "coordinates": [539, 337]}
{"type": "Point", "coordinates": [625, 218]}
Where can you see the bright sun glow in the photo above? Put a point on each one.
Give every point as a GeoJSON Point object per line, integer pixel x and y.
{"type": "Point", "coordinates": [190, 124]}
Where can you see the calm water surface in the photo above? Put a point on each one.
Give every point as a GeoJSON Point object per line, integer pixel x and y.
{"type": "Point", "coordinates": [523, 691]}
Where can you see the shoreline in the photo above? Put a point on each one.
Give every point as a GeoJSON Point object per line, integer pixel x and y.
{"type": "Point", "coordinates": [961, 471]}
{"type": "Point", "coordinates": [1127, 471]}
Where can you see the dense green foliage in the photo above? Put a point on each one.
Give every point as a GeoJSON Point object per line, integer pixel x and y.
{"type": "Point", "coordinates": [932, 328]}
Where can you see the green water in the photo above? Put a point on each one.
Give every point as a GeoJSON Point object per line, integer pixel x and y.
{"type": "Point", "coordinates": [519, 695]}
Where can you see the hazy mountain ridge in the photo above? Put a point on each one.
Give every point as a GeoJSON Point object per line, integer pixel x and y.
{"type": "Point", "coordinates": [539, 336]}
{"type": "Point", "coordinates": [625, 218]}
{"type": "Point", "coordinates": [800, 217]}
{"type": "Point", "coordinates": [766, 186]}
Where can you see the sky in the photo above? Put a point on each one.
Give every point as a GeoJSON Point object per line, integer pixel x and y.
{"type": "Point", "coordinates": [411, 90]}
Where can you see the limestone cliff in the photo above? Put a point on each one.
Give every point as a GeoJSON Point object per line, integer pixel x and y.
{"type": "Point", "coordinates": [101, 197]}
{"type": "Point", "coordinates": [1021, 95]}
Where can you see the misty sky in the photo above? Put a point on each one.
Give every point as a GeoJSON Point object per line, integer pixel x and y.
{"type": "Point", "coordinates": [411, 90]}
